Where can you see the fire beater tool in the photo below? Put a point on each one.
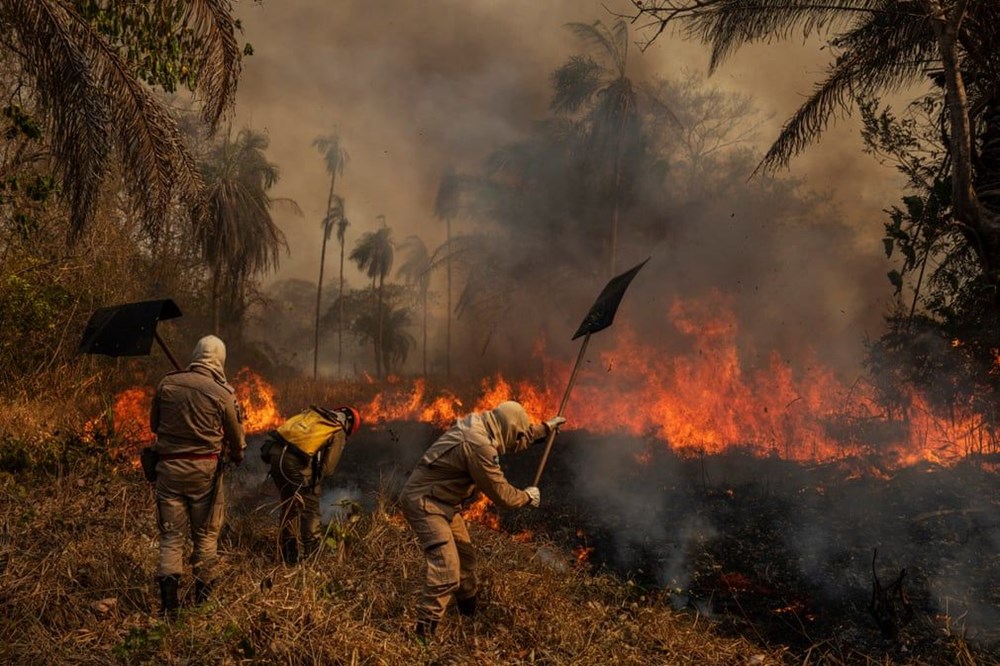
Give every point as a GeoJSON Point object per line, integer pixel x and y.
{"type": "Point", "coordinates": [129, 329]}
{"type": "Point", "coordinates": [600, 316]}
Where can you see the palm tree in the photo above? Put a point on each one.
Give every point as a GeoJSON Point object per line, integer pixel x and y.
{"type": "Point", "coordinates": [881, 46]}
{"type": "Point", "coordinates": [239, 239]}
{"type": "Point", "coordinates": [374, 256]}
{"type": "Point", "coordinates": [336, 159]}
{"type": "Point", "coordinates": [342, 225]}
{"type": "Point", "coordinates": [446, 207]}
{"type": "Point", "coordinates": [396, 340]}
{"type": "Point", "coordinates": [335, 217]}
{"type": "Point", "coordinates": [416, 270]}
{"type": "Point", "coordinates": [601, 88]}
{"type": "Point", "coordinates": [88, 81]}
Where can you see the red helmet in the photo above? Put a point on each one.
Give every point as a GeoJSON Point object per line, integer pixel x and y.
{"type": "Point", "coordinates": [353, 418]}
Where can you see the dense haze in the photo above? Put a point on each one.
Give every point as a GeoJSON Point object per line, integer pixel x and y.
{"type": "Point", "coordinates": [412, 88]}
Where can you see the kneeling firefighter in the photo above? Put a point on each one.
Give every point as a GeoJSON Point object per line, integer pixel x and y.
{"type": "Point", "coordinates": [463, 459]}
{"type": "Point", "coordinates": [303, 451]}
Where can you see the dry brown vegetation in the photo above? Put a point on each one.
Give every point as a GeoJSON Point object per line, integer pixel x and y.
{"type": "Point", "coordinates": [76, 587]}
{"type": "Point", "coordinates": [88, 536]}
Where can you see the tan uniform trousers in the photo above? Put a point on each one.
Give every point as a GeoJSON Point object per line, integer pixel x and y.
{"type": "Point", "coordinates": [299, 499]}
{"type": "Point", "coordinates": [450, 556]}
{"type": "Point", "coordinates": [187, 503]}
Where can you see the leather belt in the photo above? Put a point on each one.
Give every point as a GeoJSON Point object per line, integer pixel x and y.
{"type": "Point", "coordinates": [189, 456]}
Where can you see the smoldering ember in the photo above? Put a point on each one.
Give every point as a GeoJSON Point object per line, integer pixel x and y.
{"type": "Point", "coordinates": [576, 332]}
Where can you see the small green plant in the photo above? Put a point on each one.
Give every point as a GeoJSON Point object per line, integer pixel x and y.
{"type": "Point", "coordinates": [141, 642]}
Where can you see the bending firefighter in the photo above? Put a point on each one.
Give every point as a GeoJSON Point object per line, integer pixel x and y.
{"type": "Point", "coordinates": [303, 451]}
{"type": "Point", "coordinates": [463, 459]}
{"type": "Point", "coordinates": [197, 421]}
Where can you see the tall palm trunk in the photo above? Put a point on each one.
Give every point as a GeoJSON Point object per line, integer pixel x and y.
{"type": "Point", "coordinates": [616, 193]}
{"type": "Point", "coordinates": [375, 338]}
{"type": "Point", "coordinates": [447, 334]}
{"type": "Point", "coordinates": [322, 263]}
{"type": "Point", "coordinates": [379, 341]}
{"type": "Point", "coordinates": [425, 329]}
{"type": "Point", "coordinates": [340, 318]}
{"type": "Point", "coordinates": [216, 296]}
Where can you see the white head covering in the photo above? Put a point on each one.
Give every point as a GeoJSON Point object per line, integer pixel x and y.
{"type": "Point", "coordinates": [210, 353]}
{"type": "Point", "coordinates": [513, 425]}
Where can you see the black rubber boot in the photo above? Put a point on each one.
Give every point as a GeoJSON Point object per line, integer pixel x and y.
{"type": "Point", "coordinates": [168, 596]}
{"type": "Point", "coordinates": [309, 548]}
{"type": "Point", "coordinates": [425, 630]}
{"type": "Point", "coordinates": [467, 607]}
{"type": "Point", "coordinates": [290, 552]}
{"type": "Point", "coordinates": [202, 592]}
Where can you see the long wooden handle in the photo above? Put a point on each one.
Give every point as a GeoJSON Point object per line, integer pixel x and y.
{"type": "Point", "coordinates": [166, 350]}
{"type": "Point", "coordinates": [562, 408]}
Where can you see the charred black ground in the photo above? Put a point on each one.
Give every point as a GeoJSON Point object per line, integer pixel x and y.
{"type": "Point", "coordinates": [776, 550]}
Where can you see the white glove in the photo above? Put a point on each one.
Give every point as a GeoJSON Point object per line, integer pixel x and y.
{"type": "Point", "coordinates": [555, 422]}
{"type": "Point", "coordinates": [535, 494]}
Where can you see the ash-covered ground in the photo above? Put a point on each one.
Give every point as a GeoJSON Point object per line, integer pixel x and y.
{"type": "Point", "coordinates": [779, 550]}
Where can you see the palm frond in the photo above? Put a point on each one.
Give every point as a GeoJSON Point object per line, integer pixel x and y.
{"type": "Point", "coordinates": [95, 106]}
{"type": "Point", "coordinates": [611, 44]}
{"type": "Point", "coordinates": [334, 218]}
{"type": "Point", "coordinates": [70, 91]}
{"type": "Point", "coordinates": [882, 54]}
{"type": "Point", "coordinates": [374, 253]}
{"type": "Point", "coordinates": [334, 154]}
{"type": "Point", "coordinates": [239, 237]}
{"type": "Point", "coordinates": [416, 265]}
{"type": "Point", "coordinates": [447, 203]}
{"type": "Point", "coordinates": [214, 28]}
{"type": "Point", "coordinates": [342, 225]}
{"type": "Point", "coordinates": [730, 24]}
{"type": "Point", "coordinates": [575, 84]}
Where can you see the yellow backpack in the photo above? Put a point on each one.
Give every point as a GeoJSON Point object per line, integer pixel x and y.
{"type": "Point", "coordinates": [310, 430]}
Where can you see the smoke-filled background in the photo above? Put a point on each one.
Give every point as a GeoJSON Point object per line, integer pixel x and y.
{"type": "Point", "coordinates": [788, 264]}
{"type": "Point", "coordinates": [415, 90]}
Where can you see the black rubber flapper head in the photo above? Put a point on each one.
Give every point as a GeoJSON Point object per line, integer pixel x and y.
{"type": "Point", "coordinates": [602, 312]}
{"type": "Point", "coordinates": [128, 329]}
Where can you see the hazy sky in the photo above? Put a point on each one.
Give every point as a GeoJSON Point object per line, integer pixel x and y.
{"type": "Point", "coordinates": [414, 86]}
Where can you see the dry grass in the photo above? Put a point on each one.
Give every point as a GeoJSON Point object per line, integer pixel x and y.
{"type": "Point", "coordinates": [89, 535]}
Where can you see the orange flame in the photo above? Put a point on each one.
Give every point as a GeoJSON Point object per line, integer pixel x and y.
{"type": "Point", "coordinates": [256, 397]}
{"type": "Point", "coordinates": [701, 399]}
{"type": "Point", "coordinates": [582, 551]}
{"type": "Point", "coordinates": [131, 415]}
{"type": "Point", "coordinates": [481, 513]}
{"type": "Point", "coordinates": [707, 400]}
{"type": "Point", "coordinates": [131, 407]}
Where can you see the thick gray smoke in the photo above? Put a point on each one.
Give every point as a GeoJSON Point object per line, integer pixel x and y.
{"type": "Point", "coordinates": [413, 90]}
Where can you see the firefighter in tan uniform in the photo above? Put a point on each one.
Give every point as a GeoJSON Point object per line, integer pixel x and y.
{"type": "Point", "coordinates": [197, 421]}
{"type": "Point", "coordinates": [302, 452]}
{"type": "Point", "coordinates": [463, 459]}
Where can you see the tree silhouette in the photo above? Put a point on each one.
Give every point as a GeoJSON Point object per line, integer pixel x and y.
{"type": "Point", "coordinates": [880, 46]}
{"type": "Point", "coordinates": [239, 239]}
{"type": "Point", "coordinates": [416, 270]}
{"type": "Point", "coordinates": [396, 341]}
{"type": "Point", "coordinates": [446, 207]}
{"type": "Point", "coordinates": [342, 225]}
{"type": "Point", "coordinates": [602, 91]}
{"type": "Point", "coordinates": [88, 65]}
{"type": "Point", "coordinates": [335, 158]}
{"type": "Point", "coordinates": [374, 256]}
